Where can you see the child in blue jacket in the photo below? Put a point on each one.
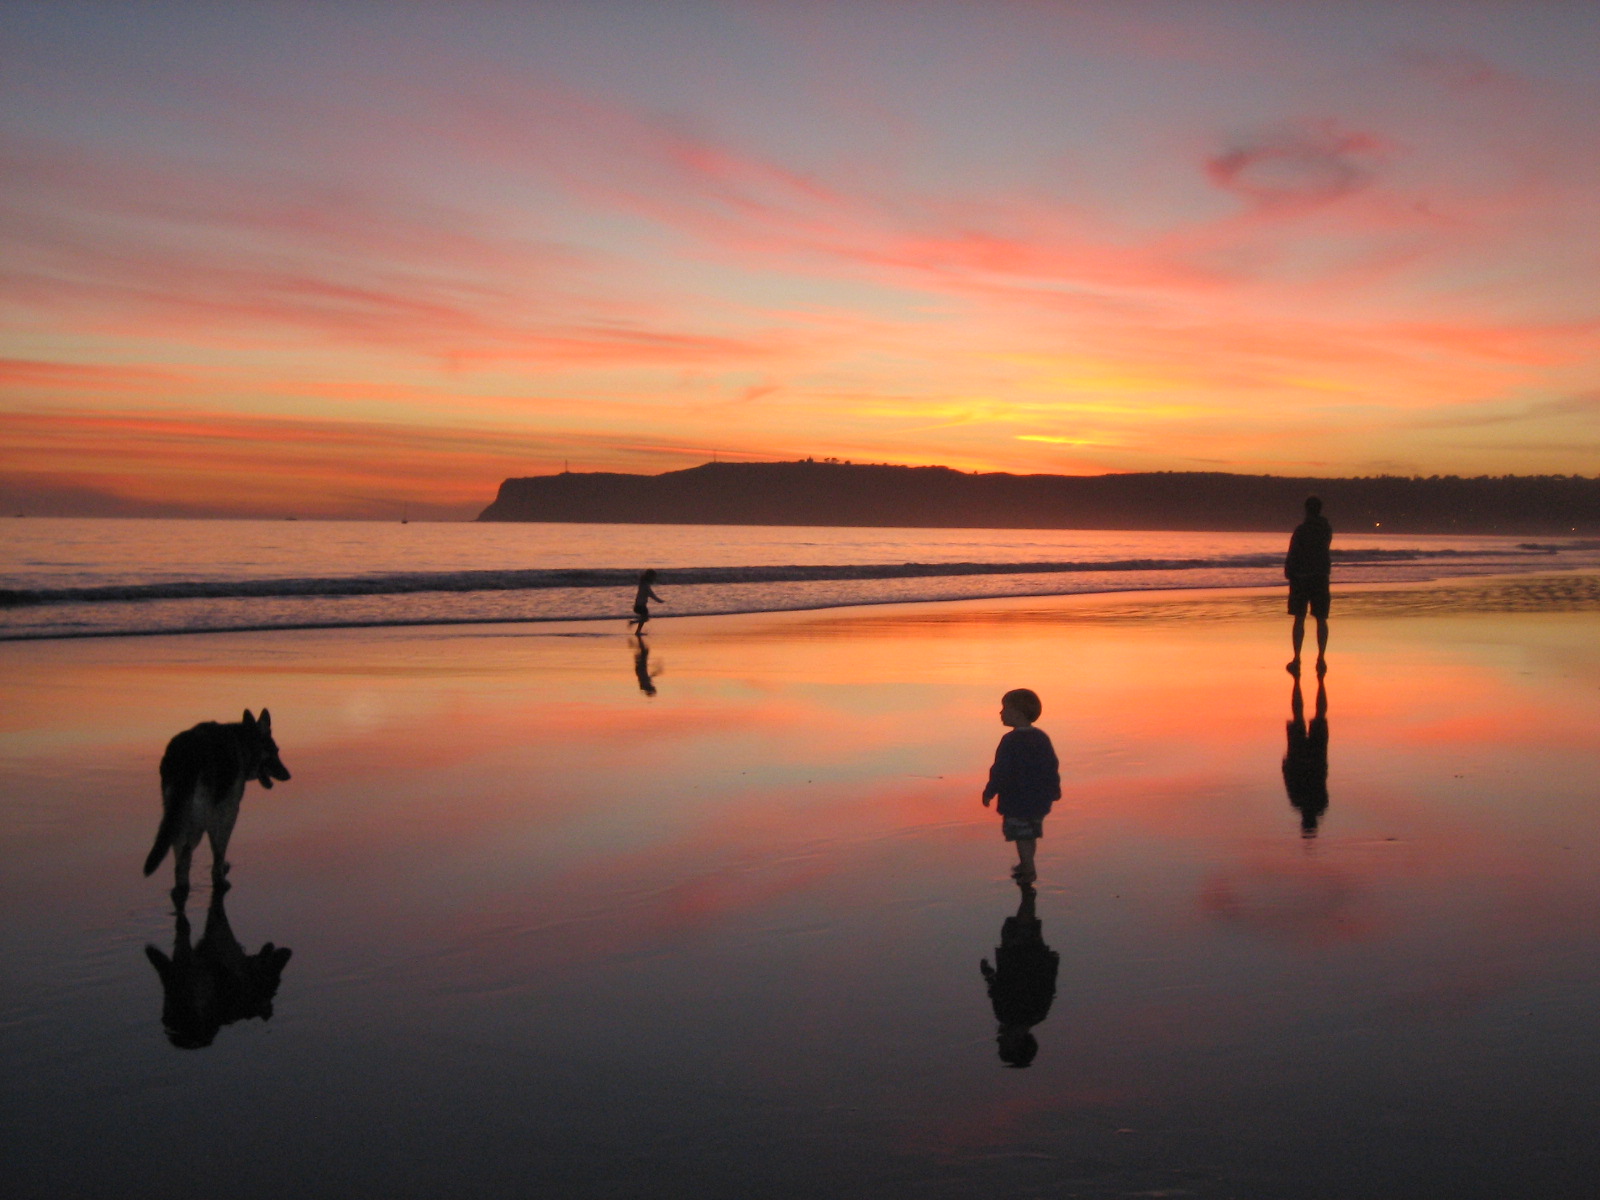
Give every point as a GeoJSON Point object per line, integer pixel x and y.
{"type": "Point", "coordinates": [1026, 777]}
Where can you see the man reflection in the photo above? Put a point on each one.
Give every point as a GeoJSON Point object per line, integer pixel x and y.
{"type": "Point", "coordinates": [1022, 981]}
{"type": "Point", "coordinates": [641, 666]}
{"type": "Point", "coordinates": [1305, 761]}
{"type": "Point", "coordinates": [215, 983]}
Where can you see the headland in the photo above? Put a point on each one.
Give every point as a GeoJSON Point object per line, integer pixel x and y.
{"type": "Point", "coordinates": [886, 496]}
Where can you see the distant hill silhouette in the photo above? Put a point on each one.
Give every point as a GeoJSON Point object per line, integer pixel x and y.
{"type": "Point", "coordinates": [834, 493]}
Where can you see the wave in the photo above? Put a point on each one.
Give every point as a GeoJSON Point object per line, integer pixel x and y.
{"type": "Point", "coordinates": [414, 582]}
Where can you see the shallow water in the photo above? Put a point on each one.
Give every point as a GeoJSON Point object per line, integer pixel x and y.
{"type": "Point", "coordinates": [82, 577]}
{"type": "Point", "coordinates": [551, 934]}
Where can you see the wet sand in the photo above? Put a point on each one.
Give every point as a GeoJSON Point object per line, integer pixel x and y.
{"type": "Point", "coordinates": [552, 934]}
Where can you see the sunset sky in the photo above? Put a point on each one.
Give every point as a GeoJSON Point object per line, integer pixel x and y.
{"type": "Point", "coordinates": [333, 259]}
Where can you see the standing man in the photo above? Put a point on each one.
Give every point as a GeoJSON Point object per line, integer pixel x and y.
{"type": "Point", "coordinates": [1308, 567]}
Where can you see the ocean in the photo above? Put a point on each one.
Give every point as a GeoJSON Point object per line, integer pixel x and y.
{"type": "Point", "coordinates": [76, 577]}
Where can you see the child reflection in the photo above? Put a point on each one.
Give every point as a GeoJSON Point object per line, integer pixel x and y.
{"type": "Point", "coordinates": [641, 666]}
{"type": "Point", "coordinates": [215, 983]}
{"type": "Point", "coordinates": [1022, 981]}
{"type": "Point", "coordinates": [1305, 761]}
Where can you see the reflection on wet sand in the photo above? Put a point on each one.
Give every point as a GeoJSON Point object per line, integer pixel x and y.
{"type": "Point", "coordinates": [214, 983]}
{"type": "Point", "coordinates": [1022, 981]}
{"type": "Point", "coordinates": [565, 913]}
{"type": "Point", "coordinates": [641, 666]}
{"type": "Point", "coordinates": [1305, 759]}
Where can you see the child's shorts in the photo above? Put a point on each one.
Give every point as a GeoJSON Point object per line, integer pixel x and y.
{"type": "Point", "coordinates": [1022, 828]}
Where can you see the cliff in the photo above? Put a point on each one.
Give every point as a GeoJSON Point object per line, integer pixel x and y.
{"type": "Point", "coordinates": [830, 493]}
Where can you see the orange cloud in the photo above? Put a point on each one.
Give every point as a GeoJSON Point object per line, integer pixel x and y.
{"type": "Point", "coordinates": [229, 464]}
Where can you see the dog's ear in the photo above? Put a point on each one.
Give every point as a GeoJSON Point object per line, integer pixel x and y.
{"type": "Point", "coordinates": [266, 721]}
{"type": "Point", "coordinates": [248, 719]}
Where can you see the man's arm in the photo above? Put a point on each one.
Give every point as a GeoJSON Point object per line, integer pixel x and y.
{"type": "Point", "coordinates": [1289, 558]}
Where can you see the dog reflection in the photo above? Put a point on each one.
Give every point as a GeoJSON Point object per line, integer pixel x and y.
{"type": "Point", "coordinates": [215, 983]}
{"type": "Point", "coordinates": [1022, 981]}
{"type": "Point", "coordinates": [1305, 760]}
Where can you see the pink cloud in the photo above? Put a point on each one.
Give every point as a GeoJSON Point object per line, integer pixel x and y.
{"type": "Point", "coordinates": [1460, 70]}
{"type": "Point", "coordinates": [145, 250]}
{"type": "Point", "coordinates": [1299, 166]}
{"type": "Point", "coordinates": [26, 373]}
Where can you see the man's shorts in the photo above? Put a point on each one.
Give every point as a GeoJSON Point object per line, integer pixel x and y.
{"type": "Point", "coordinates": [1022, 828]}
{"type": "Point", "coordinates": [1309, 593]}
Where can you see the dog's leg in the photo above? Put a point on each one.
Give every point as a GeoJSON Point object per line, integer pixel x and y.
{"type": "Point", "coordinates": [220, 831]}
{"type": "Point", "coordinates": [219, 861]}
{"type": "Point", "coordinates": [181, 854]}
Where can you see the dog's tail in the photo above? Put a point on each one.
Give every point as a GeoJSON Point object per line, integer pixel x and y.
{"type": "Point", "coordinates": [164, 839]}
{"type": "Point", "coordinates": [179, 774]}
{"type": "Point", "coordinates": [171, 815]}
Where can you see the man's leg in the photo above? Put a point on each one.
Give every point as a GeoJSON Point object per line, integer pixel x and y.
{"type": "Point", "coordinates": [1322, 645]}
{"type": "Point", "coordinates": [1298, 636]}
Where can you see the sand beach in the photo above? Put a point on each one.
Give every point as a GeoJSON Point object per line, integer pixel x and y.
{"type": "Point", "coordinates": [570, 919]}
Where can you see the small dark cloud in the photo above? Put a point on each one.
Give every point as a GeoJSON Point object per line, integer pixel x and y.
{"type": "Point", "coordinates": [1297, 166]}
{"type": "Point", "coordinates": [1473, 416]}
{"type": "Point", "coordinates": [47, 498]}
{"type": "Point", "coordinates": [1457, 70]}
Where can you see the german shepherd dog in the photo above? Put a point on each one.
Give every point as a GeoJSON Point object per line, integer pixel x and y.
{"type": "Point", "coordinates": [203, 774]}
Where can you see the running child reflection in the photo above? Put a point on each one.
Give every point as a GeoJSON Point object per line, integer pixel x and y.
{"type": "Point", "coordinates": [1022, 982]}
{"type": "Point", "coordinates": [641, 666]}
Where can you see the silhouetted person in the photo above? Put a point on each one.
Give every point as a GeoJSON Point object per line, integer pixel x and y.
{"type": "Point", "coordinates": [1025, 776]}
{"type": "Point", "coordinates": [1305, 760]}
{"type": "Point", "coordinates": [1308, 568]}
{"type": "Point", "coordinates": [641, 667]}
{"type": "Point", "coordinates": [215, 983]}
{"type": "Point", "coordinates": [1022, 981]}
{"type": "Point", "coordinates": [642, 598]}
